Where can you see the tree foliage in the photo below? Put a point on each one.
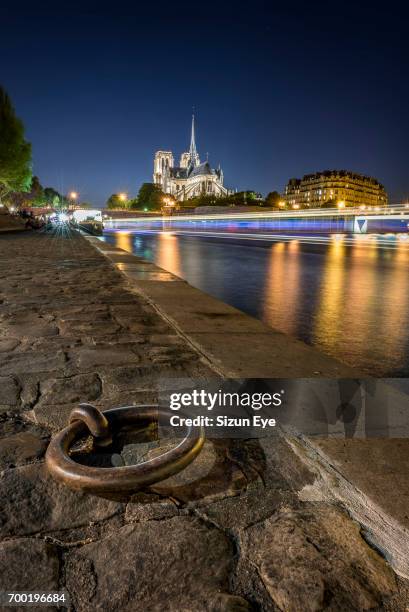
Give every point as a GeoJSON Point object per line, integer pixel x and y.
{"type": "Point", "coordinates": [37, 196]}
{"type": "Point", "coordinates": [240, 198]}
{"type": "Point", "coordinates": [150, 196]}
{"type": "Point", "coordinates": [15, 151]}
{"type": "Point", "coordinates": [272, 199]}
{"type": "Point", "coordinates": [115, 201]}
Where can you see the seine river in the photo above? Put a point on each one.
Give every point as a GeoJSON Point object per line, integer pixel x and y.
{"type": "Point", "coordinates": [347, 295]}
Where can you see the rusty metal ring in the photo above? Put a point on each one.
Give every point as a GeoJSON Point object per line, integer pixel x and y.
{"type": "Point", "coordinates": [126, 479]}
{"type": "Point", "coordinates": [96, 422]}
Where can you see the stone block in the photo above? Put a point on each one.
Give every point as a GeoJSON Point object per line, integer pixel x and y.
{"type": "Point", "coordinates": [176, 564]}
{"type": "Point", "coordinates": [28, 565]}
{"type": "Point", "coordinates": [30, 362]}
{"type": "Point", "coordinates": [9, 391]}
{"type": "Point", "coordinates": [32, 502]}
{"type": "Point", "coordinates": [21, 448]}
{"type": "Point", "coordinates": [315, 559]}
{"type": "Point", "coordinates": [80, 388]}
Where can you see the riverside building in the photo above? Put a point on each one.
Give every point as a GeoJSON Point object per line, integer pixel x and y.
{"type": "Point", "coordinates": [334, 188]}
{"type": "Point", "coordinates": [191, 177]}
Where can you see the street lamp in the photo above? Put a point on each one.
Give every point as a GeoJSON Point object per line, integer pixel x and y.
{"type": "Point", "coordinates": [73, 196]}
{"type": "Point", "coordinates": [341, 205]}
{"type": "Point", "coordinates": [122, 197]}
{"type": "Point", "coordinates": [169, 203]}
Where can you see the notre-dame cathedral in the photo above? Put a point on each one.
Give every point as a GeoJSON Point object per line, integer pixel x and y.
{"type": "Point", "coordinates": [191, 178]}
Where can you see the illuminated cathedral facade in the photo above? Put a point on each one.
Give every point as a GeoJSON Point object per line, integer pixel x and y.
{"type": "Point", "coordinates": [191, 177]}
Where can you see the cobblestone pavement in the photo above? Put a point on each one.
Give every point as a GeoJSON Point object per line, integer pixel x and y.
{"type": "Point", "coordinates": [239, 529]}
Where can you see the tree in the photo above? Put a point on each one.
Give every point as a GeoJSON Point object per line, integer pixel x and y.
{"type": "Point", "coordinates": [203, 200]}
{"type": "Point", "coordinates": [37, 192]}
{"type": "Point", "coordinates": [133, 203]}
{"type": "Point", "coordinates": [272, 199]}
{"type": "Point", "coordinates": [114, 202]}
{"type": "Point", "coordinates": [50, 194]}
{"type": "Point", "coordinates": [119, 200]}
{"type": "Point", "coordinates": [15, 151]}
{"type": "Point", "coordinates": [36, 196]}
{"type": "Point", "coordinates": [242, 198]}
{"type": "Point", "coordinates": [51, 197]}
{"type": "Point", "coordinates": [150, 196]}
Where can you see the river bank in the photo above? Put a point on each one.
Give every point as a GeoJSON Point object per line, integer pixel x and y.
{"type": "Point", "coordinates": [346, 296]}
{"type": "Point", "coordinates": [235, 530]}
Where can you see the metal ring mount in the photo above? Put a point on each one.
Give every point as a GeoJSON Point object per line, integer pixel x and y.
{"type": "Point", "coordinates": [96, 422]}
{"type": "Point", "coordinates": [116, 480]}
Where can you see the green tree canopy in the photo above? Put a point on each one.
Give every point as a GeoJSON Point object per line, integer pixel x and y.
{"type": "Point", "coordinates": [50, 193]}
{"type": "Point", "coordinates": [37, 192]}
{"type": "Point", "coordinates": [37, 195]}
{"type": "Point", "coordinates": [133, 203]}
{"type": "Point", "coordinates": [272, 199]}
{"type": "Point", "coordinates": [244, 198]}
{"type": "Point", "coordinates": [114, 202]}
{"type": "Point", "coordinates": [15, 151]}
{"type": "Point", "coordinates": [150, 196]}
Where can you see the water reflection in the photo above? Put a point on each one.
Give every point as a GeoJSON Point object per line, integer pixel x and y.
{"type": "Point", "coordinates": [281, 299]}
{"type": "Point", "coordinates": [396, 306]}
{"type": "Point", "coordinates": [125, 241]}
{"type": "Point", "coordinates": [348, 296]}
{"type": "Point", "coordinates": [168, 253]}
{"type": "Point", "coordinates": [325, 328]}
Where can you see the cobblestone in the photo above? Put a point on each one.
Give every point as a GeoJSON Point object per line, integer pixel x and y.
{"type": "Point", "coordinates": [230, 533]}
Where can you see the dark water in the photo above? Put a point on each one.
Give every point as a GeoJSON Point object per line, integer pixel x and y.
{"type": "Point", "coordinates": [349, 296]}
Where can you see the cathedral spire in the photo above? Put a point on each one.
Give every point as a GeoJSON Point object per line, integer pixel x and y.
{"type": "Point", "coordinates": [194, 157]}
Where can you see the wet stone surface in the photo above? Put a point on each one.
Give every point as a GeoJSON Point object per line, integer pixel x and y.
{"type": "Point", "coordinates": [230, 533]}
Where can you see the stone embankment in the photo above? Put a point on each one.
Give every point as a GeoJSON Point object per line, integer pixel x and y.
{"type": "Point", "coordinates": [234, 531]}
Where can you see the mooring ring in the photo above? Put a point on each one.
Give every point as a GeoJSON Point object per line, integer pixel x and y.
{"type": "Point", "coordinates": [124, 479]}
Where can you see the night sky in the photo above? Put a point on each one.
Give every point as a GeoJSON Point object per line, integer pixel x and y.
{"type": "Point", "coordinates": [278, 92]}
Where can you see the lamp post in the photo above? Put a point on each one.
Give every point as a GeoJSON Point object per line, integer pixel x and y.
{"type": "Point", "coordinates": [169, 204]}
{"type": "Point", "coordinates": [73, 196]}
{"type": "Point", "coordinates": [122, 197]}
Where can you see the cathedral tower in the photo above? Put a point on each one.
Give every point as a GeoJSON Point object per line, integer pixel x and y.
{"type": "Point", "coordinates": [162, 163]}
